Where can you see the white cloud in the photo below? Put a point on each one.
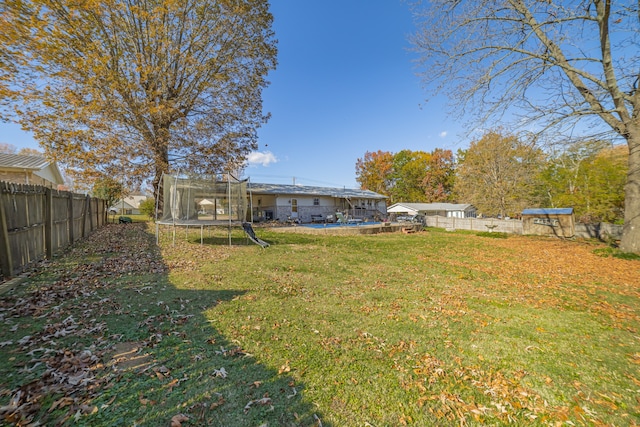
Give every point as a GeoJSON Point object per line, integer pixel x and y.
{"type": "Point", "coordinates": [261, 158]}
{"type": "Point", "coordinates": [443, 134]}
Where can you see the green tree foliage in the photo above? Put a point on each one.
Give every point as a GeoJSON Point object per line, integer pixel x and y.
{"type": "Point", "coordinates": [148, 207]}
{"type": "Point", "coordinates": [142, 88]}
{"type": "Point", "coordinates": [558, 62]}
{"type": "Point", "coordinates": [409, 176]}
{"type": "Point", "coordinates": [108, 189]}
{"type": "Point", "coordinates": [590, 177]}
{"type": "Point", "coordinates": [497, 174]}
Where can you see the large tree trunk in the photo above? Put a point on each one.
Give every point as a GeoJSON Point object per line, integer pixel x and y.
{"type": "Point", "coordinates": [631, 232]}
{"type": "Point", "coordinates": [161, 162]}
{"type": "Point", "coordinates": [160, 169]}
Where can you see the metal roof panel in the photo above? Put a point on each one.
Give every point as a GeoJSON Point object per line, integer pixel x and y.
{"type": "Point", "coordinates": [19, 161]}
{"type": "Point", "coordinates": [548, 211]}
{"type": "Point", "coordinates": [305, 190]}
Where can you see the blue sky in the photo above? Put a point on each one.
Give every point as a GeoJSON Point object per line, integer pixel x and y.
{"type": "Point", "coordinates": [345, 84]}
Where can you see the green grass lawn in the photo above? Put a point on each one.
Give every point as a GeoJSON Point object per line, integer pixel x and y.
{"type": "Point", "coordinates": [431, 328]}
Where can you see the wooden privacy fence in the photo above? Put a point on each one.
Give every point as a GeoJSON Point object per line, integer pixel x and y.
{"type": "Point", "coordinates": [36, 222]}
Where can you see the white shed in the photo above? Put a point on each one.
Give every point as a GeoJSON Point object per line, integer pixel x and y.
{"type": "Point", "coordinates": [456, 210]}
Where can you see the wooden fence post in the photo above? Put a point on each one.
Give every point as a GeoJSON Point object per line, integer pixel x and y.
{"type": "Point", "coordinates": [6, 262]}
{"type": "Point", "coordinates": [70, 216]}
{"type": "Point", "coordinates": [48, 223]}
{"type": "Point", "coordinates": [85, 209]}
{"type": "Point", "coordinates": [90, 213]}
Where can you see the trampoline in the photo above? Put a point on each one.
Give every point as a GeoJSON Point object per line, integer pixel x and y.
{"type": "Point", "coordinates": [197, 202]}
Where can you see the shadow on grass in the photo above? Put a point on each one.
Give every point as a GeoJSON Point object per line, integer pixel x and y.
{"type": "Point", "coordinates": [184, 366]}
{"type": "Point", "coordinates": [273, 238]}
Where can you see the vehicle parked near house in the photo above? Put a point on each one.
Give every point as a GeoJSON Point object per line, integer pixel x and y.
{"type": "Point", "coordinates": [420, 219]}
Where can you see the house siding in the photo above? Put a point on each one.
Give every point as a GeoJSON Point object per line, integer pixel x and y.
{"type": "Point", "coordinates": [269, 207]}
{"type": "Point", "coordinates": [27, 177]}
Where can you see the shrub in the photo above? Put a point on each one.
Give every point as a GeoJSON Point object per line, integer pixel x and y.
{"type": "Point", "coordinates": [148, 207]}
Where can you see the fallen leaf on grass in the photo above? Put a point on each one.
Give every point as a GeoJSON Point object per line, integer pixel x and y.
{"type": "Point", "coordinates": [177, 420]}
{"type": "Point", "coordinates": [61, 403]}
{"type": "Point", "coordinates": [106, 405]}
{"type": "Point", "coordinates": [264, 401]}
{"type": "Point", "coordinates": [175, 382]}
{"type": "Point", "coordinates": [284, 368]}
{"type": "Point", "coordinates": [161, 372]}
{"type": "Point", "coordinates": [634, 379]}
{"type": "Point", "coordinates": [220, 373]}
{"type": "Point", "coordinates": [144, 401]}
{"type": "Point", "coordinates": [88, 409]}
{"type": "Point", "coordinates": [218, 403]}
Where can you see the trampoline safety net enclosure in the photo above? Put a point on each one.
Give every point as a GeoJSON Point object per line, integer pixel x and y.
{"type": "Point", "coordinates": [199, 202]}
{"type": "Point", "coordinates": [193, 201]}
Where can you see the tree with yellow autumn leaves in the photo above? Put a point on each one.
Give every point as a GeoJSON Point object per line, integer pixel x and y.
{"type": "Point", "coordinates": [137, 89]}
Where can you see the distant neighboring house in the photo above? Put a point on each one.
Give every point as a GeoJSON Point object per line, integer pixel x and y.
{"type": "Point", "coordinates": [129, 205]}
{"type": "Point", "coordinates": [455, 210]}
{"type": "Point", "coordinates": [308, 204]}
{"type": "Point", "coordinates": [35, 170]}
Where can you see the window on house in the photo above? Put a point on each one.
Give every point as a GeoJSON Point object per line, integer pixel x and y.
{"type": "Point", "coordinates": [316, 202]}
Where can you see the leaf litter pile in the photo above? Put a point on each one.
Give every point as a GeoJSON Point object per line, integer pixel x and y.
{"type": "Point", "coordinates": [100, 336]}
{"type": "Point", "coordinates": [63, 354]}
{"type": "Point", "coordinates": [406, 330]}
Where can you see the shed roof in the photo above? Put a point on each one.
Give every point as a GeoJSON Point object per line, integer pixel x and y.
{"type": "Point", "coordinates": [548, 211]}
{"type": "Point", "coordinates": [305, 190]}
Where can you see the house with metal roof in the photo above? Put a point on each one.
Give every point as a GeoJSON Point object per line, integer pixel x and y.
{"type": "Point", "coordinates": [302, 203]}
{"type": "Point", "coordinates": [35, 170]}
{"type": "Point", "coordinates": [455, 210]}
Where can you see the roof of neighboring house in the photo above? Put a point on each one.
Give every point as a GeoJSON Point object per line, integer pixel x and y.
{"type": "Point", "coordinates": [39, 165]}
{"type": "Point", "coordinates": [122, 204]}
{"type": "Point", "coordinates": [548, 211]}
{"type": "Point", "coordinates": [428, 207]}
{"type": "Point", "coordinates": [129, 202]}
{"type": "Point", "coordinates": [19, 161]}
{"type": "Point", "coordinates": [304, 190]}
